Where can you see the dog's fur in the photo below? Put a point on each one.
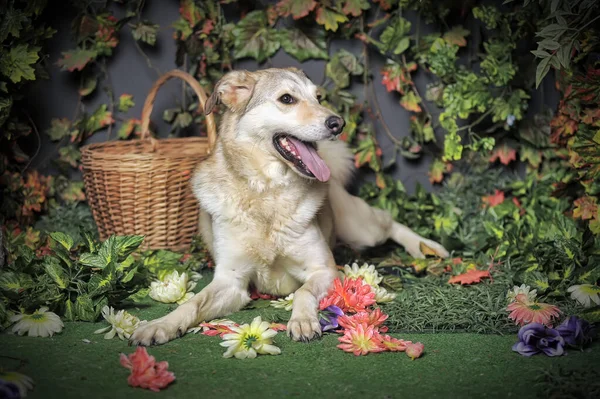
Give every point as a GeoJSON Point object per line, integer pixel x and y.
{"type": "Point", "coordinates": [264, 222]}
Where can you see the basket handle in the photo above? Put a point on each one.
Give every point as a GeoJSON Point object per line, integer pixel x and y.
{"type": "Point", "coordinates": [149, 104]}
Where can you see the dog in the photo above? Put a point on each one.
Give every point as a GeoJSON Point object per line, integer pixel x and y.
{"type": "Point", "coordinates": [273, 203]}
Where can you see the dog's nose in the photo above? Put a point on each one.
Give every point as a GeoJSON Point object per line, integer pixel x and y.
{"type": "Point", "coordinates": [335, 124]}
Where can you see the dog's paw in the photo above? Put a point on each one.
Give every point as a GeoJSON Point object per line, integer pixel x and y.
{"type": "Point", "coordinates": [415, 249]}
{"type": "Point", "coordinates": [156, 332]}
{"type": "Point", "coordinates": [304, 329]}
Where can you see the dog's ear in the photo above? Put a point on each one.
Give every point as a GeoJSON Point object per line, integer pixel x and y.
{"type": "Point", "coordinates": [234, 90]}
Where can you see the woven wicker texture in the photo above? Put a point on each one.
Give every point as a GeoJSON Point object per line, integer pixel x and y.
{"type": "Point", "coordinates": [143, 186]}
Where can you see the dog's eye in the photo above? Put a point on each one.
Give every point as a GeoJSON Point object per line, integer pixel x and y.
{"type": "Point", "coordinates": [287, 99]}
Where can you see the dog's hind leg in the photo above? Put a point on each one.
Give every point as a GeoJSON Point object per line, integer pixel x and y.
{"type": "Point", "coordinates": [360, 225]}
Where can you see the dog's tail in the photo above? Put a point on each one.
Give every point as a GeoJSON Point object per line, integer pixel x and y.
{"type": "Point", "coordinates": [340, 160]}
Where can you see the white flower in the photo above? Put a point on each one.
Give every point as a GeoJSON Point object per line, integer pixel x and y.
{"type": "Point", "coordinates": [23, 382]}
{"type": "Point", "coordinates": [249, 340]}
{"type": "Point", "coordinates": [173, 287]}
{"type": "Point", "coordinates": [367, 272]}
{"type": "Point", "coordinates": [284, 303]}
{"type": "Point", "coordinates": [122, 323]}
{"type": "Point", "coordinates": [523, 290]}
{"type": "Point", "coordinates": [585, 294]}
{"type": "Point", "coordinates": [39, 324]}
{"type": "Point", "coordinates": [382, 295]}
{"type": "Point", "coordinates": [195, 276]}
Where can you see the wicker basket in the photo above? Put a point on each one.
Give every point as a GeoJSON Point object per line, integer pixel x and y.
{"type": "Point", "coordinates": [142, 187]}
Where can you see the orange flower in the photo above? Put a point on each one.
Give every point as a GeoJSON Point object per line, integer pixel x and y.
{"type": "Point", "coordinates": [394, 345]}
{"type": "Point", "coordinates": [525, 312]}
{"type": "Point", "coordinates": [352, 296]}
{"type": "Point", "coordinates": [373, 319]}
{"type": "Point", "coordinates": [414, 350]}
{"type": "Point", "coordinates": [361, 340]}
{"type": "Point", "coordinates": [145, 372]}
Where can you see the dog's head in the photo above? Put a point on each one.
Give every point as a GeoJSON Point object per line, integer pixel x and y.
{"type": "Point", "coordinates": [280, 111]}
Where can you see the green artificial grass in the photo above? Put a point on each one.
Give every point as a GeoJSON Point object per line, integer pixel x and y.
{"type": "Point", "coordinates": [453, 365]}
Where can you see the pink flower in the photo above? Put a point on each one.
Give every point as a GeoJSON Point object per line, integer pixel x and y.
{"type": "Point", "coordinates": [361, 340]}
{"type": "Point", "coordinates": [375, 319]}
{"type": "Point", "coordinates": [145, 372]}
{"type": "Point", "coordinates": [353, 295]}
{"type": "Point", "coordinates": [394, 345]}
{"type": "Point", "coordinates": [524, 312]}
{"type": "Point", "coordinates": [414, 350]}
{"type": "Point", "coordinates": [278, 327]}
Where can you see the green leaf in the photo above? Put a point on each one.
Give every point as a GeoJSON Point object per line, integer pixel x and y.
{"type": "Point", "coordinates": [253, 37]}
{"type": "Point", "coordinates": [541, 53]}
{"type": "Point", "coordinates": [394, 38]}
{"type": "Point", "coordinates": [457, 35]}
{"type": "Point", "coordinates": [129, 276]}
{"type": "Point", "coordinates": [76, 60]}
{"type": "Point", "coordinates": [98, 120]}
{"type": "Point", "coordinates": [342, 65]}
{"type": "Point", "coordinates": [84, 308]}
{"type": "Point", "coordinates": [17, 63]}
{"type": "Point", "coordinates": [69, 155]}
{"type": "Point", "coordinates": [355, 7]}
{"type": "Point", "coordinates": [127, 244]}
{"type": "Point", "coordinates": [541, 71]}
{"type": "Point", "coordinates": [56, 272]}
{"type": "Point", "coordinates": [59, 128]}
{"type": "Point", "coordinates": [89, 240]}
{"type": "Point", "coordinates": [15, 282]}
{"type": "Point", "coordinates": [99, 285]}
{"type": "Point", "coordinates": [552, 31]}
{"type": "Point", "coordinates": [329, 18]}
{"type": "Point", "coordinates": [93, 260]}
{"type": "Point", "coordinates": [88, 86]}
{"type": "Point", "coordinates": [69, 314]}
{"type": "Point", "coordinates": [549, 44]}
{"type": "Point", "coordinates": [145, 32]}
{"type": "Point", "coordinates": [12, 23]}
{"type": "Point", "coordinates": [63, 239]}
{"type": "Point", "coordinates": [5, 108]}
{"type": "Point", "coordinates": [453, 147]}
{"type": "Point", "coordinates": [564, 55]}
{"type": "Point", "coordinates": [304, 43]}
{"type": "Point", "coordinates": [296, 8]}
{"type": "Point", "coordinates": [125, 102]}
{"type": "Point", "coordinates": [140, 295]}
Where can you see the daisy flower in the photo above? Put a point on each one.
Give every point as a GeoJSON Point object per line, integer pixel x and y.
{"type": "Point", "coordinates": [248, 340]}
{"type": "Point", "coordinates": [393, 344]}
{"type": "Point", "coordinates": [145, 371]}
{"type": "Point", "coordinates": [382, 295]}
{"type": "Point", "coordinates": [374, 319]}
{"type": "Point", "coordinates": [532, 312]}
{"type": "Point", "coordinates": [361, 340]}
{"type": "Point", "coordinates": [284, 303]}
{"type": "Point", "coordinates": [121, 323]}
{"type": "Point", "coordinates": [39, 324]}
{"type": "Point", "coordinates": [173, 287]}
{"type": "Point", "coordinates": [22, 382]}
{"type": "Point", "coordinates": [353, 295]}
{"type": "Point", "coordinates": [414, 350]}
{"type": "Point", "coordinates": [367, 272]}
{"type": "Point", "coordinates": [522, 293]}
{"type": "Point", "coordinates": [586, 294]}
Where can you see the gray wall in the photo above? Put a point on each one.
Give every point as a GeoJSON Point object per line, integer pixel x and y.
{"type": "Point", "coordinates": [129, 73]}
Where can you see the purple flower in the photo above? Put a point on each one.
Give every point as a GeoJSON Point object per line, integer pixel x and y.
{"type": "Point", "coordinates": [328, 317]}
{"type": "Point", "coordinates": [576, 332]}
{"type": "Point", "coordinates": [9, 390]}
{"type": "Point", "coordinates": [535, 338]}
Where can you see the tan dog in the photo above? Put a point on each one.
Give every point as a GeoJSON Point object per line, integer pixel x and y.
{"type": "Point", "coordinates": [273, 202]}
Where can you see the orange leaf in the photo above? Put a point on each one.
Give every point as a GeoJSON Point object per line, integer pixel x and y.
{"type": "Point", "coordinates": [495, 199]}
{"type": "Point", "coordinates": [470, 277]}
{"type": "Point", "coordinates": [505, 154]}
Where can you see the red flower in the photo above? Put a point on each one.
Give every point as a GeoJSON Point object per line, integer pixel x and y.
{"type": "Point", "coordinates": [351, 296]}
{"type": "Point", "coordinates": [393, 344]}
{"type": "Point", "coordinates": [414, 350]}
{"type": "Point", "coordinates": [373, 319]}
{"type": "Point", "coordinates": [145, 372]}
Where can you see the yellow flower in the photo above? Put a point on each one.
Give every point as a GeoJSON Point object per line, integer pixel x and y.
{"type": "Point", "coordinates": [39, 324]}
{"type": "Point", "coordinates": [122, 323]}
{"type": "Point", "coordinates": [367, 272]}
{"type": "Point", "coordinates": [284, 303]}
{"type": "Point", "coordinates": [382, 295]}
{"type": "Point", "coordinates": [173, 287]}
{"type": "Point", "coordinates": [23, 382]}
{"type": "Point", "coordinates": [248, 340]}
{"type": "Point", "coordinates": [586, 294]}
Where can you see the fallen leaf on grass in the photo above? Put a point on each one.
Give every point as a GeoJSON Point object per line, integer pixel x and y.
{"type": "Point", "coordinates": [470, 277]}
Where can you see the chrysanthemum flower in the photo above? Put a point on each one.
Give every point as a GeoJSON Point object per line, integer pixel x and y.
{"type": "Point", "coordinates": [122, 323]}
{"type": "Point", "coordinates": [286, 303]}
{"type": "Point", "coordinates": [39, 324]}
{"type": "Point", "coordinates": [382, 295]}
{"type": "Point", "coordinates": [248, 340]}
{"type": "Point", "coordinates": [393, 344]}
{"type": "Point", "coordinates": [353, 295]}
{"type": "Point", "coordinates": [145, 372]}
{"type": "Point", "coordinates": [173, 287]}
{"type": "Point", "coordinates": [414, 350]}
{"type": "Point", "coordinates": [374, 319]}
{"type": "Point", "coordinates": [361, 340]}
{"type": "Point", "coordinates": [22, 382]}
{"type": "Point", "coordinates": [532, 312]}
{"type": "Point", "coordinates": [523, 293]}
{"type": "Point", "coordinates": [586, 294]}
{"type": "Point", "coordinates": [366, 271]}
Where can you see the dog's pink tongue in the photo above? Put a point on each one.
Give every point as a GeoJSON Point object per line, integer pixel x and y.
{"type": "Point", "coordinates": [312, 160]}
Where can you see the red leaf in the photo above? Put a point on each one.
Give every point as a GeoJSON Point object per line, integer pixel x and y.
{"type": "Point", "coordinates": [470, 277]}
{"type": "Point", "coordinates": [505, 154]}
{"type": "Point", "coordinates": [495, 199]}
{"type": "Point", "coordinates": [585, 208]}
{"type": "Point", "coordinates": [297, 9]}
